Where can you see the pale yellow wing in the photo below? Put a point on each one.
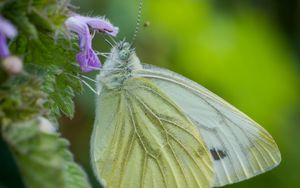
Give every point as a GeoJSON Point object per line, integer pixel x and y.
{"type": "Point", "coordinates": [142, 139]}
{"type": "Point", "coordinates": [240, 147]}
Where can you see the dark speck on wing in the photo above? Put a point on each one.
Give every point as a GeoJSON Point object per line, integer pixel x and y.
{"type": "Point", "coordinates": [218, 154]}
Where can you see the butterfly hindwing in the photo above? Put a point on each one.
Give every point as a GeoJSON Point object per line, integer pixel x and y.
{"type": "Point", "coordinates": [240, 148]}
{"type": "Point", "coordinates": [142, 139]}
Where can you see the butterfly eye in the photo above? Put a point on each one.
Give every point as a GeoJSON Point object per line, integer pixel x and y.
{"type": "Point", "coordinates": [124, 54]}
{"type": "Point", "coordinates": [124, 51]}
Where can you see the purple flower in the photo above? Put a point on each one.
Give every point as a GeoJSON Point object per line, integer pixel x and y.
{"type": "Point", "coordinates": [7, 30]}
{"type": "Point", "coordinates": [81, 25]}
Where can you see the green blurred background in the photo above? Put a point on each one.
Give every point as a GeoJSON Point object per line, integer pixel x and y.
{"type": "Point", "coordinates": [245, 51]}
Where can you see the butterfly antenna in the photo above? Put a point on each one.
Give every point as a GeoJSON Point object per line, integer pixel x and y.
{"type": "Point", "coordinates": [111, 38]}
{"type": "Point", "coordinates": [138, 21]}
{"type": "Point", "coordinates": [90, 87]}
{"type": "Point", "coordinates": [84, 82]}
{"type": "Point", "coordinates": [108, 42]}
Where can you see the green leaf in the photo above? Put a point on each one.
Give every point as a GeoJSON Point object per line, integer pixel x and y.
{"type": "Point", "coordinates": [43, 157]}
{"type": "Point", "coordinates": [46, 52]}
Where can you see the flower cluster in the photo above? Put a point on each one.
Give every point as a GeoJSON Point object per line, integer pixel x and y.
{"type": "Point", "coordinates": [83, 26]}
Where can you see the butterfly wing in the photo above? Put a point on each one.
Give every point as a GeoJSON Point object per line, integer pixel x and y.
{"type": "Point", "coordinates": [239, 146]}
{"type": "Point", "coordinates": [142, 139]}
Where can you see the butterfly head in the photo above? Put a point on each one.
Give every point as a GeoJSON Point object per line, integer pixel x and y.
{"type": "Point", "coordinates": [124, 51]}
{"type": "Point", "coordinates": [123, 56]}
{"type": "Point", "coordinates": [119, 65]}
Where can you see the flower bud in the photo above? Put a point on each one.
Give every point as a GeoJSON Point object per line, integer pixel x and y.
{"type": "Point", "coordinates": [12, 65]}
{"type": "Point", "coordinates": [46, 126]}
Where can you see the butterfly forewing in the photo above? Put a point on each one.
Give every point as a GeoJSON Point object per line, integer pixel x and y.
{"type": "Point", "coordinates": [141, 138]}
{"type": "Point", "coordinates": [240, 148]}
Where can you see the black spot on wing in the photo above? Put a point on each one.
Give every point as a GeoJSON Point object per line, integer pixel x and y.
{"type": "Point", "coordinates": [218, 154]}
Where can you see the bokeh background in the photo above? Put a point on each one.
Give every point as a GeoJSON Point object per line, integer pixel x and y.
{"type": "Point", "coordinates": [245, 51]}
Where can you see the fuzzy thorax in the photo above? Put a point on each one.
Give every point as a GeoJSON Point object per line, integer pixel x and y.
{"type": "Point", "coordinates": [119, 66]}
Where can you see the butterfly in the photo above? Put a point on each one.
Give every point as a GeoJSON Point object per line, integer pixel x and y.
{"type": "Point", "coordinates": [156, 128]}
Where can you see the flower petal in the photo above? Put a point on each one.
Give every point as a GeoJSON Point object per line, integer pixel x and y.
{"type": "Point", "coordinates": [4, 51]}
{"type": "Point", "coordinates": [99, 24]}
{"type": "Point", "coordinates": [88, 60]}
{"type": "Point", "coordinates": [82, 30]}
{"type": "Point", "coordinates": [7, 28]}
{"type": "Point", "coordinates": [81, 25]}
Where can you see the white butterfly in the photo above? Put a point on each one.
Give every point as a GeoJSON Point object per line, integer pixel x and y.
{"type": "Point", "coordinates": [155, 128]}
